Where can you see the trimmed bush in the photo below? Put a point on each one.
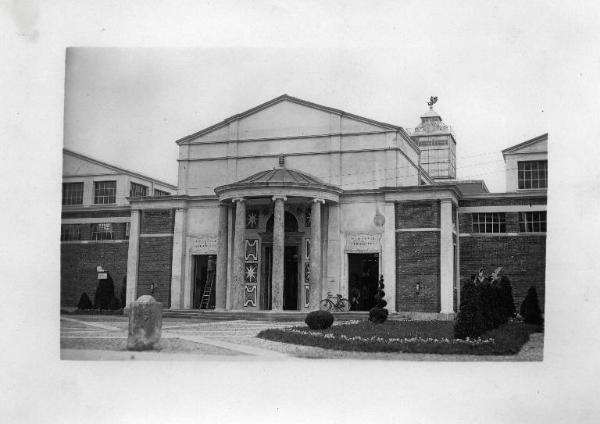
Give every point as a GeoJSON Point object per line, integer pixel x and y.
{"type": "Point", "coordinates": [470, 320]}
{"type": "Point", "coordinates": [114, 304]}
{"type": "Point", "coordinates": [508, 301]}
{"type": "Point", "coordinates": [85, 302]}
{"type": "Point", "coordinates": [319, 320]}
{"type": "Point", "coordinates": [530, 308]}
{"type": "Point", "coordinates": [378, 314]}
{"type": "Point", "coordinates": [105, 292]}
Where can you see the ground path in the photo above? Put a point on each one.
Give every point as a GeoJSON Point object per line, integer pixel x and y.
{"type": "Point", "coordinates": [104, 338]}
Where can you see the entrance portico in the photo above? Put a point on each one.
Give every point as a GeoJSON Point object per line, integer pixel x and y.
{"type": "Point", "coordinates": [265, 197]}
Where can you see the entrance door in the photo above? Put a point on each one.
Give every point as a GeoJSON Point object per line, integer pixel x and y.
{"type": "Point", "coordinates": [363, 275]}
{"type": "Point", "coordinates": [290, 278]}
{"type": "Point", "coordinates": [203, 296]}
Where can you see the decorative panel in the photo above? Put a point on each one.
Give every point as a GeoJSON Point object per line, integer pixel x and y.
{"type": "Point", "coordinates": [251, 252]}
{"type": "Point", "coordinates": [252, 217]}
{"type": "Point", "coordinates": [250, 295]}
{"type": "Point", "coordinates": [250, 272]}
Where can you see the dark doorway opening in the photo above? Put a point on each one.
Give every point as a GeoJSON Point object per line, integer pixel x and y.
{"type": "Point", "coordinates": [265, 295]}
{"type": "Point", "coordinates": [204, 281]}
{"type": "Point", "coordinates": [363, 274]}
{"type": "Point", "coordinates": [290, 278]}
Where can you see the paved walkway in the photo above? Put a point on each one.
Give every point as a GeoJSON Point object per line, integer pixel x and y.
{"type": "Point", "coordinates": [105, 338]}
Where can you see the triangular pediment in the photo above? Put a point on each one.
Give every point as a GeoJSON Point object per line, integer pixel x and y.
{"type": "Point", "coordinates": [287, 116]}
{"type": "Point", "coordinates": [78, 165]}
{"type": "Point", "coordinates": [535, 145]}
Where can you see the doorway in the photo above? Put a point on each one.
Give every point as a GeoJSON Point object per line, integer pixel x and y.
{"type": "Point", "coordinates": [291, 272]}
{"type": "Point", "coordinates": [203, 295]}
{"type": "Point", "coordinates": [363, 275]}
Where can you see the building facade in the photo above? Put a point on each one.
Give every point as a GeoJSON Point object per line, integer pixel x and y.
{"type": "Point", "coordinates": [283, 204]}
{"type": "Point", "coordinates": [95, 222]}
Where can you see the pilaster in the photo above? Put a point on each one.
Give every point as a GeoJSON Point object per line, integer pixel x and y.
{"type": "Point", "coordinates": [446, 257]}
{"type": "Point", "coordinates": [316, 258]}
{"type": "Point", "coordinates": [178, 259]}
{"type": "Point", "coordinates": [388, 256]}
{"type": "Point", "coordinates": [132, 256]}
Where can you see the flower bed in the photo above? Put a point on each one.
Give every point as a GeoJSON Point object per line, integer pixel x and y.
{"type": "Point", "coordinates": [407, 336]}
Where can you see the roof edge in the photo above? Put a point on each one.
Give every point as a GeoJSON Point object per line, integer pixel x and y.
{"type": "Point", "coordinates": [116, 168]}
{"type": "Point", "coordinates": [280, 99]}
{"type": "Point", "coordinates": [525, 143]}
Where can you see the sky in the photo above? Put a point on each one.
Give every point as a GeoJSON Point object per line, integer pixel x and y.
{"type": "Point", "coordinates": [127, 106]}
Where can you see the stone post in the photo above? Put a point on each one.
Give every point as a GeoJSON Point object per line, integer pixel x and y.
{"type": "Point", "coordinates": [145, 323]}
{"type": "Point", "coordinates": [132, 257]}
{"type": "Point", "coordinates": [446, 258]}
{"type": "Point", "coordinates": [237, 284]}
{"type": "Point", "coordinates": [278, 251]}
{"type": "Point", "coordinates": [221, 280]}
{"type": "Point", "coordinates": [315, 254]}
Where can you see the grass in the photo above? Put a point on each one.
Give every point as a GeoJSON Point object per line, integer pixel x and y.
{"type": "Point", "coordinates": [408, 337]}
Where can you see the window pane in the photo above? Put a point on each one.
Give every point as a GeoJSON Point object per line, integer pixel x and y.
{"type": "Point", "coordinates": [105, 192]}
{"type": "Point", "coordinates": [72, 194]}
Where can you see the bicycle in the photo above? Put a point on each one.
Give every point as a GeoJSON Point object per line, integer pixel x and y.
{"type": "Point", "coordinates": [337, 304]}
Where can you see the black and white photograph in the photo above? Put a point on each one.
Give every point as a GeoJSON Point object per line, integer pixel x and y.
{"type": "Point", "coordinates": [278, 212]}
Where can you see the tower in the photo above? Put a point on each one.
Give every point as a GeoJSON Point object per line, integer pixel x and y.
{"type": "Point", "coordinates": [437, 144]}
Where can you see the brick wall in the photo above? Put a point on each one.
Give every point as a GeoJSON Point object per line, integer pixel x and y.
{"type": "Point", "coordinates": [418, 214]}
{"type": "Point", "coordinates": [158, 221]}
{"type": "Point", "coordinates": [497, 201]}
{"type": "Point", "coordinates": [156, 255]}
{"type": "Point", "coordinates": [418, 256]}
{"type": "Point", "coordinates": [523, 258]}
{"type": "Point", "coordinates": [154, 267]}
{"type": "Point", "coordinates": [78, 268]}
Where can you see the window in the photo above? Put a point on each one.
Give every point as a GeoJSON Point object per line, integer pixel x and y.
{"type": "Point", "coordinates": [72, 194]}
{"type": "Point", "coordinates": [532, 222]}
{"type": "Point", "coordinates": [102, 231]}
{"type": "Point", "coordinates": [105, 192]}
{"type": "Point", "coordinates": [533, 174]}
{"type": "Point", "coordinates": [158, 192]}
{"type": "Point", "coordinates": [138, 190]}
{"type": "Point", "coordinates": [70, 232]}
{"type": "Point", "coordinates": [489, 222]}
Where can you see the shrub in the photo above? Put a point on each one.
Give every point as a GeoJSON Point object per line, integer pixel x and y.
{"type": "Point", "coordinates": [508, 300]}
{"type": "Point", "coordinates": [104, 293]}
{"type": "Point", "coordinates": [319, 320]}
{"type": "Point", "coordinates": [470, 320]}
{"type": "Point", "coordinates": [114, 304]}
{"type": "Point", "coordinates": [530, 308]}
{"type": "Point", "coordinates": [379, 314]}
{"type": "Point", "coordinates": [84, 302]}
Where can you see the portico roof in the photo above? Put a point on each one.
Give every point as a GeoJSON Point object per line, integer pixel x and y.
{"type": "Point", "coordinates": [279, 181]}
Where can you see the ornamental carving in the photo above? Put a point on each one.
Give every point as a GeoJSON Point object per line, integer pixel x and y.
{"type": "Point", "coordinates": [204, 245]}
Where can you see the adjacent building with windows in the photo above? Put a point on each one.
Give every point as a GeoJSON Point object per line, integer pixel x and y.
{"type": "Point", "coordinates": [95, 221]}
{"type": "Point", "coordinates": [286, 202]}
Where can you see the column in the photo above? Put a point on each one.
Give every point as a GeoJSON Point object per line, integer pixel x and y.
{"type": "Point", "coordinates": [388, 256]}
{"type": "Point", "coordinates": [316, 256]}
{"type": "Point", "coordinates": [132, 257]}
{"type": "Point", "coordinates": [237, 283]}
{"type": "Point", "coordinates": [446, 258]}
{"type": "Point", "coordinates": [178, 259]}
{"type": "Point", "coordinates": [221, 281]}
{"type": "Point", "coordinates": [278, 250]}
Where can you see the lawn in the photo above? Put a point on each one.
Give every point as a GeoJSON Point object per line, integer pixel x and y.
{"type": "Point", "coordinates": [408, 337]}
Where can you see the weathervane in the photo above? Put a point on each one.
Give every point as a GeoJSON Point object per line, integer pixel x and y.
{"type": "Point", "coordinates": [432, 101]}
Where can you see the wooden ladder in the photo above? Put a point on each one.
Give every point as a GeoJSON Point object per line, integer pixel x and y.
{"type": "Point", "coordinates": [208, 287]}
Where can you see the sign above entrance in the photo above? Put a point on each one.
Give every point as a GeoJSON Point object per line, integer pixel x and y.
{"type": "Point", "coordinates": [203, 245]}
{"type": "Point", "coordinates": [363, 242]}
